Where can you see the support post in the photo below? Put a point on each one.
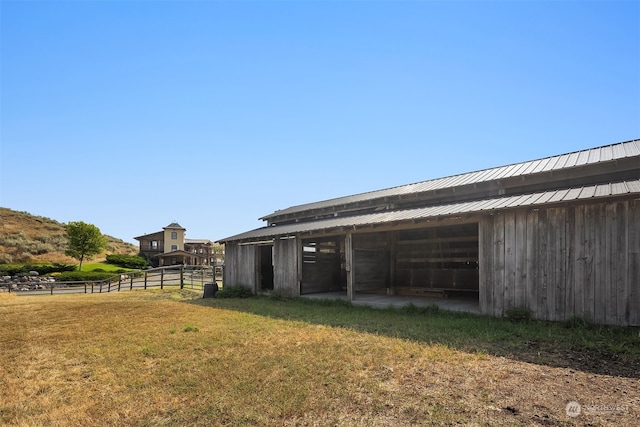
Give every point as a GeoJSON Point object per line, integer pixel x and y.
{"type": "Point", "coordinates": [349, 266]}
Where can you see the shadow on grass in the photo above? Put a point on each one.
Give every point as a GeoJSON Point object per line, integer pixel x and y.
{"type": "Point", "coordinates": [573, 344]}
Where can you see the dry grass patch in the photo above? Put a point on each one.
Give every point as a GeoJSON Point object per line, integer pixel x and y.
{"type": "Point", "coordinates": [149, 358]}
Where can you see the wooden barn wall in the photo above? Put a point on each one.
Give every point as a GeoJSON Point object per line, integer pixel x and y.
{"type": "Point", "coordinates": [240, 265]}
{"type": "Point", "coordinates": [285, 268]}
{"type": "Point", "coordinates": [561, 262]}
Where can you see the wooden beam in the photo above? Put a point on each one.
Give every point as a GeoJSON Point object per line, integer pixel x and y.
{"type": "Point", "coordinates": [349, 265]}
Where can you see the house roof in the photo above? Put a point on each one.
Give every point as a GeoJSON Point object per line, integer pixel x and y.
{"type": "Point", "coordinates": [547, 165]}
{"type": "Point", "coordinates": [197, 241]}
{"type": "Point", "coordinates": [599, 191]}
{"type": "Point", "coordinates": [157, 234]}
{"type": "Point", "coordinates": [178, 253]}
{"type": "Point", "coordinates": [174, 225]}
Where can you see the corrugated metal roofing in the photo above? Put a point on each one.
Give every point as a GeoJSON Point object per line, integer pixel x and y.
{"type": "Point", "coordinates": [577, 158]}
{"type": "Point", "coordinates": [565, 195]}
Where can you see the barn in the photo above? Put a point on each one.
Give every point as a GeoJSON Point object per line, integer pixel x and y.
{"type": "Point", "coordinates": [558, 236]}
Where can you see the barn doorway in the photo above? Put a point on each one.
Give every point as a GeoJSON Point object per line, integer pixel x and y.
{"type": "Point", "coordinates": [265, 267]}
{"type": "Point", "coordinates": [437, 261]}
{"type": "Point", "coordinates": [323, 266]}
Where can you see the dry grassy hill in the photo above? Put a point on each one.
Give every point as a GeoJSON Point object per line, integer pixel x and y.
{"type": "Point", "coordinates": [29, 238]}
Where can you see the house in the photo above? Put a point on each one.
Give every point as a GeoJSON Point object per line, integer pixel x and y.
{"type": "Point", "coordinates": [558, 236]}
{"type": "Point", "coordinates": [170, 247]}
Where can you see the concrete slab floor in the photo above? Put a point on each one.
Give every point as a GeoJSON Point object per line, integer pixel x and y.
{"type": "Point", "coordinates": [465, 304]}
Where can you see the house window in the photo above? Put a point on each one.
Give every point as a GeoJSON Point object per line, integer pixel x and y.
{"type": "Point", "coordinates": [154, 244]}
{"type": "Point", "coordinates": [174, 235]}
{"type": "Point", "coordinates": [174, 247]}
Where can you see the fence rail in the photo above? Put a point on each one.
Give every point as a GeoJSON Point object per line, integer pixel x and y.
{"type": "Point", "coordinates": [193, 277]}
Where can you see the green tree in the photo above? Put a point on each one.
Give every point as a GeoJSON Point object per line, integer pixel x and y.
{"type": "Point", "coordinates": [84, 241]}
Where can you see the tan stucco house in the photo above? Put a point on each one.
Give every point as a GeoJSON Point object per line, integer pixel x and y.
{"type": "Point", "coordinates": [170, 247]}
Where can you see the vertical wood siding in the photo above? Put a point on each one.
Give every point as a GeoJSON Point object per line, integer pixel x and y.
{"type": "Point", "coordinates": [240, 266]}
{"type": "Point", "coordinates": [285, 268]}
{"type": "Point", "coordinates": [561, 262]}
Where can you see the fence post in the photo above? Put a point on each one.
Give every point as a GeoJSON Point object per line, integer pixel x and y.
{"type": "Point", "coordinates": [91, 287]}
{"type": "Point", "coordinates": [161, 279]}
{"type": "Point", "coordinates": [131, 287]}
{"type": "Point", "coordinates": [85, 287]}
{"type": "Point", "coordinates": [51, 288]}
{"type": "Point", "coordinates": [145, 280]}
{"type": "Point", "coordinates": [109, 286]}
{"type": "Point", "coordinates": [119, 282]}
{"type": "Point", "coordinates": [182, 276]}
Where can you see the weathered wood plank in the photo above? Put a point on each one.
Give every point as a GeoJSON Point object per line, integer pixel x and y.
{"type": "Point", "coordinates": [498, 265]}
{"type": "Point", "coordinates": [531, 293]}
{"type": "Point", "coordinates": [349, 266]}
{"type": "Point", "coordinates": [620, 275]}
{"type": "Point", "coordinates": [589, 301]}
{"type": "Point", "coordinates": [485, 233]}
{"type": "Point", "coordinates": [634, 263]}
{"type": "Point", "coordinates": [600, 263]}
{"type": "Point", "coordinates": [561, 259]}
{"type": "Point", "coordinates": [611, 266]}
{"type": "Point", "coordinates": [520, 283]}
{"type": "Point", "coordinates": [579, 275]}
{"type": "Point", "coordinates": [510, 250]}
{"type": "Point", "coordinates": [553, 248]}
{"type": "Point", "coordinates": [570, 264]}
{"type": "Point", "coordinates": [541, 256]}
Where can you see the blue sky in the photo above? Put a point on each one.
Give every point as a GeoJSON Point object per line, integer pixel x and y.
{"type": "Point", "coordinates": [133, 114]}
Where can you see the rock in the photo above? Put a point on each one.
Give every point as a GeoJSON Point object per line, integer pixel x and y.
{"type": "Point", "coordinates": [33, 273]}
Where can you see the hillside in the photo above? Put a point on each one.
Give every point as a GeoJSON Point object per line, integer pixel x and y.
{"type": "Point", "coordinates": [29, 238]}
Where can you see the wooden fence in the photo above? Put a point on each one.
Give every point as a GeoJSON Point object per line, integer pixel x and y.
{"type": "Point", "coordinates": [183, 276]}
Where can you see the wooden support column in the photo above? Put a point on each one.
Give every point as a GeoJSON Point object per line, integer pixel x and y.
{"type": "Point", "coordinates": [349, 266]}
{"type": "Point", "coordinates": [299, 259]}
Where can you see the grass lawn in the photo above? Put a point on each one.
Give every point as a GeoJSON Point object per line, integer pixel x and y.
{"type": "Point", "coordinates": [170, 358]}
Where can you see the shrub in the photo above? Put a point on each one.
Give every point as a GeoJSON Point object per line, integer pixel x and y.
{"type": "Point", "coordinates": [234, 292]}
{"type": "Point", "coordinates": [577, 322]}
{"type": "Point", "coordinates": [127, 261]}
{"type": "Point", "coordinates": [23, 269]}
{"type": "Point", "coordinates": [518, 314]}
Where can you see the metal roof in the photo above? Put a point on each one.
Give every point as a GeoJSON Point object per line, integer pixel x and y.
{"type": "Point", "coordinates": [554, 163]}
{"type": "Point", "coordinates": [507, 202]}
